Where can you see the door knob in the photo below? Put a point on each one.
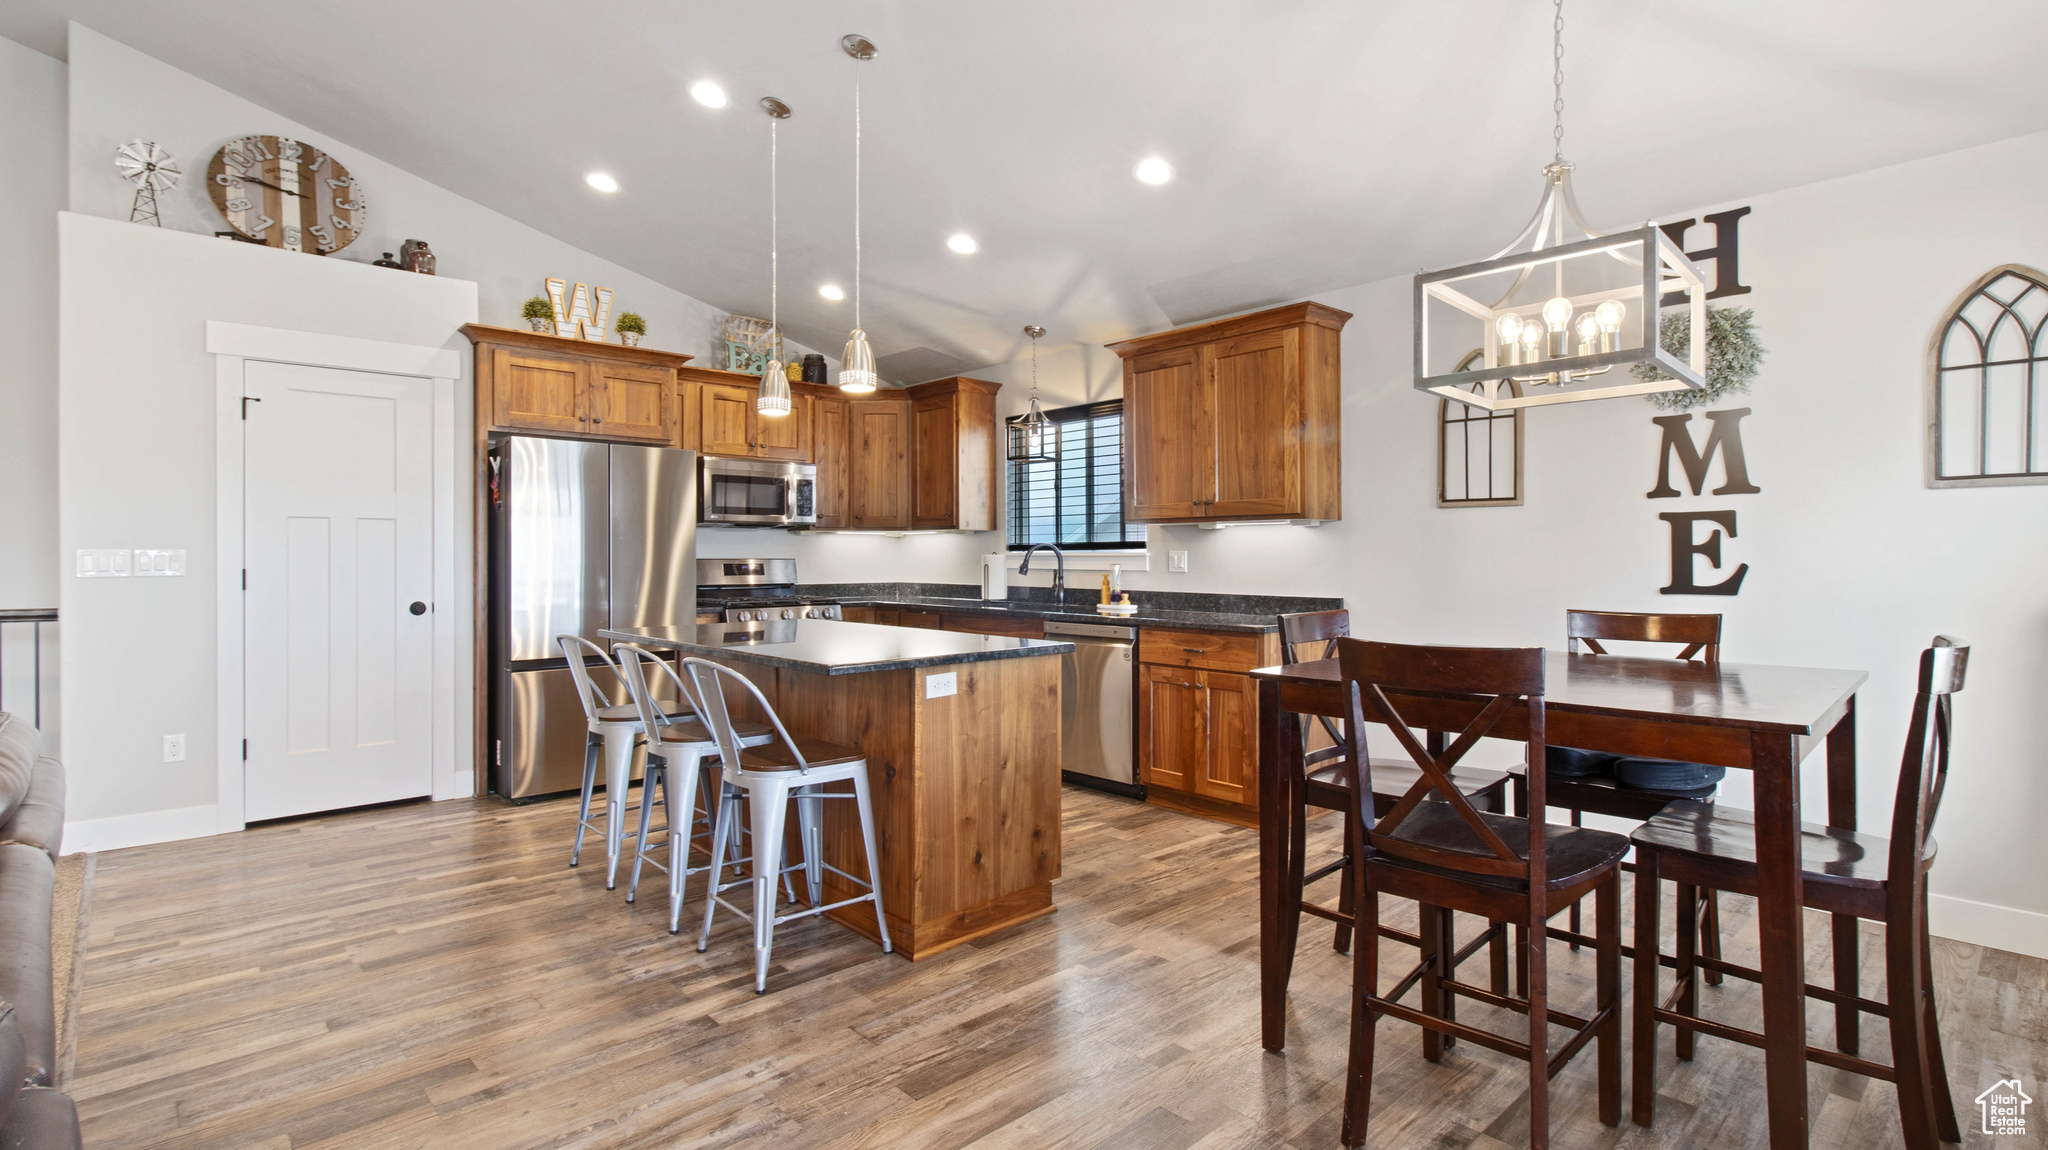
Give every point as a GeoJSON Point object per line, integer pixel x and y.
{"type": "Point", "coordinates": [417, 608]}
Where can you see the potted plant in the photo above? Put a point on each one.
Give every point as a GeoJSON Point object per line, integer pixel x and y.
{"type": "Point", "coordinates": [538, 312]}
{"type": "Point", "coordinates": [630, 327]}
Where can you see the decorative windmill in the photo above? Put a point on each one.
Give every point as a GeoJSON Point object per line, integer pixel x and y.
{"type": "Point", "coordinates": [151, 170]}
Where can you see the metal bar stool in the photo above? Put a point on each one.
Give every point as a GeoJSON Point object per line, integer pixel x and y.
{"type": "Point", "coordinates": [614, 729]}
{"type": "Point", "coordinates": [676, 748]}
{"type": "Point", "coordinates": [770, 775]}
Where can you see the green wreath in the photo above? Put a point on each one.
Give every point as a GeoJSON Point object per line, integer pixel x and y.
{"type": "Point", "coordinates": [1733, 354]}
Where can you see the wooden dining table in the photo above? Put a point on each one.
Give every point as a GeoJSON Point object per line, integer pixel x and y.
{"type": "Point", "coordinates": [1761, 719]}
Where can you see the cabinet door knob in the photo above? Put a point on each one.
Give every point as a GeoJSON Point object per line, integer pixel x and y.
{"type": "Point", "coordinates": [1196, 650]}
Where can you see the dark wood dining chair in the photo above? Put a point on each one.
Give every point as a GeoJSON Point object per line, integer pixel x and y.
{"type": "Point", "coordinates": [1448, 856]}
{"type": "Point", "coordinates": [1306, 636]}
{"type": "Point", "coordinates": [1699, 846]}
{"type": "Point", "coordinates": [1700, 637]}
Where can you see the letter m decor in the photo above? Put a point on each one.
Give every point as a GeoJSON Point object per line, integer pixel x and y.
{"type": "Point", "coordinates": [1724, 434]}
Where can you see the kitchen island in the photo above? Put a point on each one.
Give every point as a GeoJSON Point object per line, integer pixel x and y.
{"type": "Point", "coordinates": [962, 738]}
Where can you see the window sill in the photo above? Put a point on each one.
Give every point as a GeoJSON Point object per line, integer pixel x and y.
{"type": "Point", "coordinates": [1134, 560]}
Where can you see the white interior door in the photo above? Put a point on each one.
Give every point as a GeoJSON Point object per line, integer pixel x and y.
{"type": "Point", "coordinates": [338, 545]}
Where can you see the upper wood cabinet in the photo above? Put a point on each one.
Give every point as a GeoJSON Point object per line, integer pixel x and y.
{"type": "Point", "coordinates": [878, 438]}
{"type": "Point", "coordinates": [1236, 419]}
{"type": "Point", "coordinates": [727, 422]}
{"type": "Point", "coordinates": [830, 451]}
{"type": "Point", "coordinates": [953, 454]}
{"type": "Point", "coordinates": [526, 381]}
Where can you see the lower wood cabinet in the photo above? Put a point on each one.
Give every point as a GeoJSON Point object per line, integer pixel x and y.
{"type": "Point", "coordinates": [1010, 627]}
{"type": "Point", "coordinates": [1198, 728]}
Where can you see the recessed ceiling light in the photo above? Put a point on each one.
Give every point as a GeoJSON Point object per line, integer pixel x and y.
{"type": "Point", "coordinates": [963, 243]}
{"type": "Point", "coordinates": [833, 292]}
{"type": "Point", "coordinates": [601, 182]}
{"type": "Point", "coordinates": [1153, 170]}
{"type": "Point", "coordinates": [708, 93]}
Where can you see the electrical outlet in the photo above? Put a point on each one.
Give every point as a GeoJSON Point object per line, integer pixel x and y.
{"type": "Point", "coordinates": [1177, 561]}
{"type": "Point", "coordinates": [941, 685]}
{"type": "Point", "coordinates": [174, 748]}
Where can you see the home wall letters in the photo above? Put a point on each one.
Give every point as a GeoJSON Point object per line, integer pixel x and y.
{"type": "Point", "coordinates": [1724, 438]}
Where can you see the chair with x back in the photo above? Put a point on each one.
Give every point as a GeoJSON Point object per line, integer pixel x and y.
{"type": "Point", "coordinates": [1844, 873]}
{"type": "Point", "coordinates": [1438, 849]}
{"type": "Point", "coordinates": [1325, 781]}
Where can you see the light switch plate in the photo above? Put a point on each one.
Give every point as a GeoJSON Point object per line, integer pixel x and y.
{"type": "Point", "coordinates": [103, 563]}
{"type": "Point", "coordinates": [159, 564]}
{"type": "Point", "coordinates": [1177, 561]}
{"type": "Point", "coordinates": [942, 685]}
{"type": "Point", "coordinates": [174, 748]}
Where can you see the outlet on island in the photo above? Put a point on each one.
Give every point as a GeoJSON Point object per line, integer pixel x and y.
{"type": "Point", "coordinates": [1177, 561]}
{"type": "Point", "coordinates": [174, 748]}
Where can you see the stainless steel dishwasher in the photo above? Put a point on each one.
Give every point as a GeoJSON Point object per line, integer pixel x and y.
{"type": "Point", "coordinates": [1096, 683]}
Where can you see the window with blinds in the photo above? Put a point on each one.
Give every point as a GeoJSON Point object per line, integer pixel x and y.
{"type": "Point", "coordinates": [1075, 499]}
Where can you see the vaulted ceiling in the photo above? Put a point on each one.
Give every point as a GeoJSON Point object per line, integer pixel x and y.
{"type": "Point", "coordinates": [1318, 143]}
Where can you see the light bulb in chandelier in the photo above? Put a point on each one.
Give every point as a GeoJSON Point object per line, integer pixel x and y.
{"type": "Point", "coordinates": [1557, 312]}
{"type": "Point", "coordinates": [857, 365]}
{"type": "Point", "coordinates": [1509, 327]}
{"type": "Point", "coordinates": [1589, 333]}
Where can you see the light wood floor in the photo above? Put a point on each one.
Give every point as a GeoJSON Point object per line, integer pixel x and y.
{"type": "Point", "coordinates": [435, 975]}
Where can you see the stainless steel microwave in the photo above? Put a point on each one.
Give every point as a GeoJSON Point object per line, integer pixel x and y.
{"type": "Point", "coordinates": [759, 492]}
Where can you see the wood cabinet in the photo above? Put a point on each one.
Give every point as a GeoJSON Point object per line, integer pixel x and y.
{"type": "Point", "coordinates": [1198, 741]}
{"type": "Point", "coordinates": [830, 451]}
{"type": "Point", "coordinates": [1011, 626]}
{"type": "Point", "coordinates": [1235, 419]}
{"type": "Point", "coordinates": [878, 488]}
{"type": "Point", "coordinates": [550, 385]}
{"type": "Point", "coordinates": [728, 421]}
{"type": "Point", "coordinates": [953, 482]}
{"type": "Point", "coordinates": [928, 620]}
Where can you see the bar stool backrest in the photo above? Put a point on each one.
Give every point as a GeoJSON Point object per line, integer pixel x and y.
{"type": "Point", "coordinates": [576, 649]}
{"type": "Point", "coordinates": [633, 663]}
{"type": "Point", "coordinates": [709, 677]}
{"type": "Point", "coordinates": [1701, 634]}
{"type": "Point", "coordinates": [1924, 770]}
{"type": "Point", "coordinates": [1432, 679]}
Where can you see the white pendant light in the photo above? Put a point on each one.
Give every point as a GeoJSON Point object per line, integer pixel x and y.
{"type": "Point", "coordinates": [1033, 438]}
{"type": "Point", "coordinates": [857, 363]}
{"type": "Point", "coordinates": [1619, 284]}
{"type": "Point", "coordinates": [774, 397]}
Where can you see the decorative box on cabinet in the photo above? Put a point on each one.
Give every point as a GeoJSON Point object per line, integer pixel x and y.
{"type": "Point", "coordinates": [1236, 419]}
{"type": "Point", "coordinates": [526, 381]}
{"type": "Point", "coordinates": [953, 481]}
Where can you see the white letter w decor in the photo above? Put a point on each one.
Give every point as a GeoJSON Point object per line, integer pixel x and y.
{"type": "Point", "coordinates": [576, 320]}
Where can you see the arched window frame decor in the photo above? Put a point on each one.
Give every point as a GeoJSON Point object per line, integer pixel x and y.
{"type": "Point", "coordinates": [1961, 356]}
{"type": "Point", "coordinates": [1465, 419]}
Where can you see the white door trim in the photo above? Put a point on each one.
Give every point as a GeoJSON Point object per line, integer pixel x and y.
{"type": "Point", "coordinates": [233, 346]}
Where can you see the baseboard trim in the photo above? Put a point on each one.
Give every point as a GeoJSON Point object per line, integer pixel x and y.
{"type": "Point", "coordinates": [1983, 924]}
{"type": "Point", "coordinates": [136, 830]}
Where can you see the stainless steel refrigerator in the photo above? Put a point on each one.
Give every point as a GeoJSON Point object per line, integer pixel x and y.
{"type": "Point", "coordinates": [583, 536]}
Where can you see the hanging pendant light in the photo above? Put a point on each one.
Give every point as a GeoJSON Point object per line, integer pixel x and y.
{"type": "Point", "coordinates": [1619, 285]}
{"type": "Point", "coordinates": [857, 363]}
{"type": "Point", "coordinates": [774, 397]}
{"type": "Point", "coordinates": [1033, 438]}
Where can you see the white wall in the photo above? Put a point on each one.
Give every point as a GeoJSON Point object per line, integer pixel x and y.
{"type": "Point", "coordinates": [136, 469]}
{"type": "Point", "coordinates": [31, 192]}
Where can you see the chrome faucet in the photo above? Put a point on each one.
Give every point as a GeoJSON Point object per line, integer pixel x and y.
{"type": "Point", "coordinates": [1059, 573]}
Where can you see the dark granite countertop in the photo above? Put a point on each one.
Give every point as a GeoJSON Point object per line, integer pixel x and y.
{"type": "Point", "coordinates": [831, 647]}
{"type": "Point", "coordinates": [1147, 616]}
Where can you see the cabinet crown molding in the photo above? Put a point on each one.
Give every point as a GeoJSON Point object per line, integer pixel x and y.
{"type": "Point", "coordinates": [1291, 315]}
{"type": "Point", "coordinates": [563, 345]}
{"type": "Point", "coordinates": [952, 385]}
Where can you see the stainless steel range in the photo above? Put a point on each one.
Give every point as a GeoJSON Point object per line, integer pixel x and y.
{"type": "Point", "coordinates": [752, 590]}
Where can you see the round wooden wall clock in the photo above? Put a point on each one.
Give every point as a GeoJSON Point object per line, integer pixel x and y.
{"type": "Point", "coordinates": [286, 194]}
